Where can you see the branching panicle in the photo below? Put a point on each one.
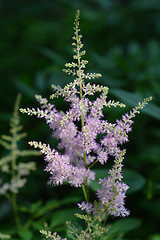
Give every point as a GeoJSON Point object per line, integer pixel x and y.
{"type": "Point", "coordinates": [86, 139]}
{"type": "Point", "coordinates": [9, 164]}
{"type": "Point", "coordinates": [50, 235]}
{"type": "Point", "coordinates": [14, 170]}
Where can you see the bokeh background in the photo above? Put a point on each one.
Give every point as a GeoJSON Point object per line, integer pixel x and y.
{"type": "Point", "coordinates": [122, 40]}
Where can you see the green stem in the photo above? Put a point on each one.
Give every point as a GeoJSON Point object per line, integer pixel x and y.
{"type": "Point", "coordinates": [85, 192]}
{"type": "Point", "coordinates": [104, 223]}
{"type": "Point", "coordinates": [93, 164]}
{"type": "Point", "coordinates": [15, 210]}
{"type": "Point", "coordinates": [84, 185]}
{"type": "Point", "coordinates": [13, 199]}
{"type": "Point", "coordinates": [13, 174]}
{"type": "Point", "coordinates": [40, 213]}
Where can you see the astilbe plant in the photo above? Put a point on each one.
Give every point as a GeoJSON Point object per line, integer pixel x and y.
{"type": "Point", "coordinates": [86, 139]}
{"type": "Point", "coordinates": [13, 170]}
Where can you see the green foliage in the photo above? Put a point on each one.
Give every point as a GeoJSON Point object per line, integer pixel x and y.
{"type": "Point", "coordinates": [122, 226]}
{"type": "Point", "coordinates": [132, 99]}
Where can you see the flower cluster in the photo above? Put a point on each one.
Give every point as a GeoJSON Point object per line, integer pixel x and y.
{"type": "Point", "coordinates": [84, 136]}
{"type": "Point", "coordinates": [113, 190]}
{"type": "Point", "coordinates": [61, 168]}
{"type": "Point", "coordinates": [50, 235]}
{"type": "Point", "coordinates": [4, 236]}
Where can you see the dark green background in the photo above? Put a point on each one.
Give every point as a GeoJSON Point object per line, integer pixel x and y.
{"type": "Point", "coordinates": [121, 38]}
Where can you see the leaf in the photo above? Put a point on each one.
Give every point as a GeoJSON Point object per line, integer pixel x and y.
{"type": "Point", "coordinates": [35, 206]}
{"type": "Point", "coordinates": [25, 234]}
{"type": "Point", "coordinates": [72, 199]}
{"type": "Point", "coordinates": [60, 217]}
{"type": "Point", "coordinates": [14, 238]}
{"type": "Point", "coordinates": [133, 99]}
{"type": "Point", "coordinates": [39, 224]}
{"type": "Point", "coordinates": [124, 225]}
{"type": "Point", "coordinates": [70, 235]}
{"type": "Point", "coordinates": [155, 237]}
{"type": "Point", "coordinates": [41, 210]}
{"type": "Point", "coordinates": [25, 88]}
{"type": "Point", "coordinates": [23, 208]}
{"type": "Point", "coordinates": [52, 204]}
{"type": "Point", "coordinates": [134, 180]}
{"type": "Point", "coordinates": [145, 5]}
{"type": "Point", "coordinates": [53, 56]}
{"type": "Point", "coordinates": [151, 154]}
{"type": "Point", "coordinates": [40, 81]}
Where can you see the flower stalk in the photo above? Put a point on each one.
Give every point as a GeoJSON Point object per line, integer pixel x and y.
{"type": "Point", "coordinates": [81, 149]}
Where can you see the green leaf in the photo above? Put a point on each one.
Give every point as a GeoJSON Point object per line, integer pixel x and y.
{"type": "Point", "coordinates": [25, 234]}
{"type": "Point", "coordinates": [41, 210]}
{"type": "Point", "coordinates": [53, 56]}
{"type": "Point", "coordinates": [134, 180]}
{"type": "Point", "coordinates": [70, 235]}
{"type": "Point", "coordinates": [155, 237]}
{"type": "Point", "coordinates": [133, 99]}
{"type": "Point", "coordinates": [60, 217]}
{"type": "Point", "coordinates": [25, 88]}
{"type": "Point", "coordinates": [23, 208]}
{"type": "Point", "coordinates": [151, 154]}
{"type": "Point", "coordinates": [40, 81]}
{"type": "Point", "coordinates": [35, 206]}
{"type": "Point", "coordinates": [124, 225]}
{"type": "Point", "coordinates": [72, 199]}
{"type": "Point", "coordinates": [14, 238]}
{"type": "Point", "coordinates": [39, 224]}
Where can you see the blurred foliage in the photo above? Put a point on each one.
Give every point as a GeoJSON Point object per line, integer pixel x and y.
{"type": "Point", "coordinates": [122, 42]}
